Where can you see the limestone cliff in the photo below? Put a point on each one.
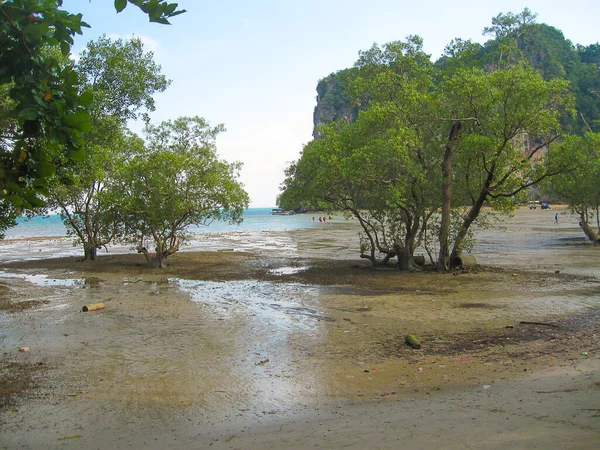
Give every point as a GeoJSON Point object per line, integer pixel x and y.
{"type": "Point", "coordinates": [332, 102]}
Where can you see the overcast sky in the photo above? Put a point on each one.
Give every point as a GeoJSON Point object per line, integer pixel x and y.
{"type": "Point", "coordinates": [254, 65]}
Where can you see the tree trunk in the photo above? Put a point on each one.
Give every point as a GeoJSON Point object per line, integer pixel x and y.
{"type": "Point", "coordinates": [589, 232]}
{"type": "Point", "coordinates": [90, 251]}
{"type": "Point", "coordinates": [155, 261]}
{"type": "Point", "coordinates": [406, 260]}
{"type": "Point", "coordinates": [464, 228]}
{"type": "Point", "coordinates": [472, 215]}
{"type": "Point", "coordinates": [444, 257]}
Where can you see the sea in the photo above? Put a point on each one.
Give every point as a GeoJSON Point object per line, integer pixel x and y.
{"type": "Point", "coordinates": [43, 237]}
{"type": "Point", "coordinates": [255, 219]}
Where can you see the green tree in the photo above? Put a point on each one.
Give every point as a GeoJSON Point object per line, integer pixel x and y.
{"type": "Point", "coordinates": [82, 190]}
{"type": "Point", "coordinates": [177, 181]}
{"type": "Point", "coordinates": [454, 139]}
{"type": "Point", "coordinates": [382, 168]}
{"type": "Point", "coordinates": [513, 119]}
{"type": "Point", "coordinates": [49, 108]}
{"type": "Point", "coordinates": [123, 79]}
{"type": "Point", "coordinates": [580, 186]}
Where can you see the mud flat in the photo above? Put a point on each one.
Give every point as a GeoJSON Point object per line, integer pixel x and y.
{"type": "Point", "coordinates": [290, 341]}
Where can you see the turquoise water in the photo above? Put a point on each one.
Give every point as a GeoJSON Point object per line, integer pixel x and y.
{"type": "Point", "coordinates": [255, 219]}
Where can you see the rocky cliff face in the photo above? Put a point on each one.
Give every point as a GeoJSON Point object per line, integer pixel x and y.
{"type": "Point", "coordinates": [332, 102]}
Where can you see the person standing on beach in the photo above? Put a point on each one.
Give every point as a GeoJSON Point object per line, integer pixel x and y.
{"type": "Point", "coordinates": [556, 219]}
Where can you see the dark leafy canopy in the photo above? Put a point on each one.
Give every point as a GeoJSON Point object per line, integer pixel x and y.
{"type": "Point", "coordinates": [48, 112]}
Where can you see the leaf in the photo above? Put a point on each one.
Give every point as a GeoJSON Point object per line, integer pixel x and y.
{"type": "Point", "coordinates": [78, 155]}
{"type": "Point", "coordinates": [120, 5]}
{"type": "Point", "coordinates": [16, 200]}
{"type": "Point", "coordinates": [79, 121]}
{"type": "Point", "coordinates": [160, 20]}
{"type": "Point", "coordinates": [22, 156]}
{"type": "Point", "coordinates": [87, 97]}
{"type": "Point", "coordinates": [35, 202]}
{"type": "Point", "coordinates": [29, 113]}
{"type": "Point", "coordinates": [46, 169]}
{"type": "Point", "coordinates": [65, 48]}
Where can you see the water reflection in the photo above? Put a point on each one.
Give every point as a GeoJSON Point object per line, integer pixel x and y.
{"type": "Point", "coordinates": [42, 280]}
{"type": "Point", "coordinates": [271, 328]}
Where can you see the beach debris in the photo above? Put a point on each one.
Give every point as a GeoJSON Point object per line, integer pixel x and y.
{"type": "Point", "coordinates": [462, 261]}
{"type": "Point", "coordinates": [388, 394]}
{"type": "Point", "coordinates": [581, 353]}
{"type": "Point", "coordinates": [263, 362]}
{"type": "Point", "coordinates": [77, 436]}
{"type": "Point", "coordinates": [486, 386]}
{"type": "Point", "coordinates": [411, 340]}
{"type": "Point", "coordinates": [544, 324]}
{"type": "Point", "coordinates": [23, 349]}
{"type": "Point", "coordinates": [92, 307]}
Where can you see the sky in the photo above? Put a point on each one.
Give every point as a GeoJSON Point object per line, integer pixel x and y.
{"type": "Point", "coordinates": [254, 65]}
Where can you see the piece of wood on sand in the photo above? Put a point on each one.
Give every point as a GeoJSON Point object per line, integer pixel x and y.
{"type": "Point", "coordinates": [544, 324]}
{"type": "Point", "coordinates": [412, 341]}
{"type": "Point", "coordinates": [92, 307]}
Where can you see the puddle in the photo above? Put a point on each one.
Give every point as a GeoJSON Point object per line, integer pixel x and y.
{"type": "Point", "coordinates": [278, 305]}
{"type": "Point", "coordinates": [42, 280]}
{"type": "Point", "coordinates": [288, 270]}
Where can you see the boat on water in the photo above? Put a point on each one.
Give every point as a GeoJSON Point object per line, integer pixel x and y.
{"type": "Point", "coordinates": [280, 212]}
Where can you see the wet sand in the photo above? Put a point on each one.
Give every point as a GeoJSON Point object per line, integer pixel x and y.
{"type": "Point", "coordinates": [291, 341]}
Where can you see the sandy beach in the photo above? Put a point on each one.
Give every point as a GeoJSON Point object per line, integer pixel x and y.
{"type": "Point", "coordinates": [287, 339]}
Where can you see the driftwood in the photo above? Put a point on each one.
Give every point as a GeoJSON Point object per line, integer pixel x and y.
{"type": "Point", "coordinates": [463, 260]}
{"type": "Point", "coordinates": [412, 341]}
{"type": "Point", "coordinates": [544, 324]}
{"type": "Point", "coordinates": [92, 307]}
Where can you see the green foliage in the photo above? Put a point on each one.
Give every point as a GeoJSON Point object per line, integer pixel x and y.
{"type": "Point", "coordinates": [48, 111]}
{"type": "Point", "coordinates": [48, 115]}
{"type": "Point", "coordinates": [158, 11]}
{"type": "Point", "coordinates": [177, 181]}
{"type": "Point", "coordinates": [83, 191]}
{"type": "Point", "coordinates": [121, 76]}
{"type": "Point", "coordinates": [122, 79]}
{"type": "Point", "coordinates": [579, 186]}
{"type": "Point", "coordinates": [476, 128]}
{"type": "Point", "coordinates": [380, 167]}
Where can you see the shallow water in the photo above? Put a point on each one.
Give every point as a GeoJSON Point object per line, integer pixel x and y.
{"type": "Point", "coordinates": [41, 279]}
